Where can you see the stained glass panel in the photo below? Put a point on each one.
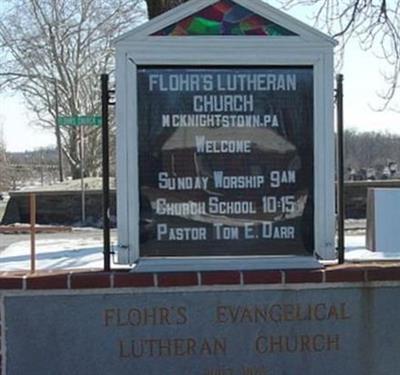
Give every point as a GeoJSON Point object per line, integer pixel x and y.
{"type": "Point", "coordinates": [224, 18]}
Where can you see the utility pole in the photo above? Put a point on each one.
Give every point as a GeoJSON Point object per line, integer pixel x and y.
{"type": "Point", "coordinates": [82, 152]}
{"type": "Point", "coordinates": [56, 112]}
{"type": "Point", "coordinates": [58, 134]}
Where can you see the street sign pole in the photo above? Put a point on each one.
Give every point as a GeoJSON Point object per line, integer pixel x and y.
{"type": "Point", "coordinates": [82, 152]}
{"type": "Point", "coordinates": [58, 135]}
{"type": "Point", "coordinates": [106, 172]}
{"type": "Point", "coordinates": [81, 121]}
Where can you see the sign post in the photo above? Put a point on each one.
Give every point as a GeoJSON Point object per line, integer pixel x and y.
{"type": "Point", "coordinates": [81, 121]}
{"type": "Point", "coordinates": [105, 101]}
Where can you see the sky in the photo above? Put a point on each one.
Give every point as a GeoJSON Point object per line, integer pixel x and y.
{"type": "Point", "coordinates": [362, 83]}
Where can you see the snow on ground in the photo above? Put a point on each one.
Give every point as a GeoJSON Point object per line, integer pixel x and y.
{"type": "Point", "coordinates": [87, 253]}
{"type": "Point", "coordinates": [91, 183]}
{"type": "Point", "coordinates": [57, 254]}
{"type": "Point", "coordinates": [356, 251]}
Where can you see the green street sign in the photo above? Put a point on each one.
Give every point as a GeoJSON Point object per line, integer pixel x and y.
{"type": "Point", "coordinates": [79, 120]}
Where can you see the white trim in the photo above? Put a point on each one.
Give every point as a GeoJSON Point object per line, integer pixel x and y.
{"type": "Point", "coordinates": [173, 51]}
{"type": "Point", "coordinates": [133, 162]}
{"type": "Point", "coordinates": [197, 264]}
{"type": "Point", "coordinates": [320, 160]}
{"type": "Point", "coordinates": [213, 42]}
{"type": "Point", "coordinates": [122, 165]}
{"type": "Point", "coordinates": [224, 51]}
{"type": "Point", "coordinates": [324, 162]}
{"type": "Point", "coordinates": [327, 249]}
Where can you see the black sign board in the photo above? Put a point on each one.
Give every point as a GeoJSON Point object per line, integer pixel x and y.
{"type": "Point", "coordinates": [226, 161]}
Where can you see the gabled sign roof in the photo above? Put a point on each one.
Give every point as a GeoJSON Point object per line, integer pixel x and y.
{"type": "Point", "coordinates": [228, 18]}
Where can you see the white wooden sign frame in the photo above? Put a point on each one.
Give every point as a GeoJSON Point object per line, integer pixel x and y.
{"type": "Point", "coordinates": [138, 48]}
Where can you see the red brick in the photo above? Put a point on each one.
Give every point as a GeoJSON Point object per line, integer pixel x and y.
{"type": "Point", "coordinates": [177, 279]}
{"type": "Point", "coordinates": [47, 282]}
{"type": "Point", "coordinates": [262, 277]}
{"type": "Point", "coordinates": [220, 277]}
{"type": "Point", "coordinates": [383, 274]}
{"type": "Point", "coordinates": [345, 275]}
{"type": "Point", "coordinates": [11, 282]}
{"type": "Point", "coordinates": [303, 276]}
{"type": "Point", "coordinates": [129, 279]}
{"type": "Point", "coordinates": [90, 280]}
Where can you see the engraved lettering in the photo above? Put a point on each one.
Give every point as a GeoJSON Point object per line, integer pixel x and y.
{"type": "Point", "coordinates": [296, 344]}
{"type": "Point", "coordinates": [172, 347]}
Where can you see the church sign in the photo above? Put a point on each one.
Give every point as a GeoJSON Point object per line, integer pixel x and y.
{"type": "Point", "coordinates": [334, 330]}
{"type": "Point", "coordinates": [226, 160]}
{"type": "Point", "coordinates": [225, 137]}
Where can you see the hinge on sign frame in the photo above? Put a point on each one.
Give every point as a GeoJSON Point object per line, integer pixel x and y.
{"type": "Point", "coordinates": [111, 97]}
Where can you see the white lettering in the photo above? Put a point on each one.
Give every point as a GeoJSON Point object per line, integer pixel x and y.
{"type": "Point", "coordinates": [256, 82]}
{"type": "Point", "coordinates": [180, 209]}
{"type": "Point", "coordinates": [279, 178]}
{"type": "Point", "coordinates": [180, 82]}
{"type": "Point", "coordinates": [237, 182]}
{"type": "Point", "coordinates": [223, 103]}
{"type": "Point", "coordinates": [222, 147]}
{"type": "Point", "coordinates": [166, 233]}
{"type": "Point", "coordinates": [229, 82]}
{"type": "Point", "coordinates": [219, 121]}
{"type": "Point", "coordinates": [215, 206]}
{"type": "Point", "coordinates": [249, 231]}
{"type": "Point", "coordinates": [271, 231]}
{"type": "Point", "coordinates": [223, 232]}
{"type": "Point", "coordinates": [181, 183]}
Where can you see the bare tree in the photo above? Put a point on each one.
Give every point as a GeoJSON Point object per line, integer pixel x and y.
{"type": "Point", "coordinates": [62, 46]}
{"type": "Point", "coordinates": [370, 149]}
{"type": "Point", "coordinates": [375, 23]}
{"type": "Point", "coordinates": [156, 7]}
{"type": "Point", "coordinates": [4, 178]}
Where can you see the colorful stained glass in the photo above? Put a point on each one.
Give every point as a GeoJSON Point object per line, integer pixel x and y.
{"type": "Point", "coordinates": [224, 18]}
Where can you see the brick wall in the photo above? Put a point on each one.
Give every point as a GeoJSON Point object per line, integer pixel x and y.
{"type": "Point", "coordinates": [125, 279]}
{"type": "Point", "coordinates": [11, 281]}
